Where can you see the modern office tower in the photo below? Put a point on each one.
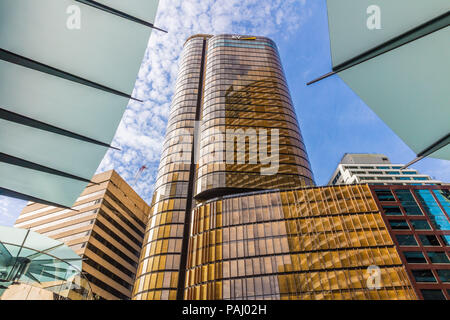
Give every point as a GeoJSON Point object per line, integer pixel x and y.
{"type": "Point", "coordinates": [231, 94]}
{"type": "Point", "coordinates": [105, 226]}
{"type": "Point", "coordinates": [418, 219]}
{"type": "Point", "coordinates": [376, 169]}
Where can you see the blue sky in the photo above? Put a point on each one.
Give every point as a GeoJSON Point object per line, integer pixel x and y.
{"type": "Point", "coordinates": [332, 118]}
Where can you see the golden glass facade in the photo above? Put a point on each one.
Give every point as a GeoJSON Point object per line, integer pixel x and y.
{"type": "Point", "coordinates": [159, 266]}
{"type": "Point", "coordinates": [314, 243]}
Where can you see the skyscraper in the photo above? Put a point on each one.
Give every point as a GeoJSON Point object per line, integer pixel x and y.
{"type": "Point", "coordinates": [105, 227]}
{"type": "Point", "coordinates": [232, 103]}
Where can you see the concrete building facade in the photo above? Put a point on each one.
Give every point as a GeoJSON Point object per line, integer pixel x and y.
{"type": "Point", "coordinates": [105, 227]}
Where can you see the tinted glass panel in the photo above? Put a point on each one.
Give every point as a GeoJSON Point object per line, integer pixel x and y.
{"type": "Point", "coordinates": [420, 224]}
{"type": "Point", "coordinates": [438, 218]}
{"type": "Point", "coordinates": [444, 198]}
{"type": "Point", "coordinates": [405, 196]}
{"type": "Point", "coordinates": [429, 294]}
{"type": "Point", "coordinates": [406, 240]}
{"type": "Point", "coordinates": [408, 203]}
{"type": "Point", "coordinates": [412, 210]}
{"type": "Point", "coordinates": [399, 225]}
{"type": "Point", "coordinates": [414, 257]}
{"type": "Point", "coordinates": [384, 195]}
{"type": "Point", "coordinates": [423, 276]}
{"type": "Point", "coordinates": [392, 210]}
{"type": "Point", "coordinates": [438, 257]}
{"type": "Point", "coordinates": [429, 240]}
{"type": "Point", "coordinates": [444, 275]}
{"type": "Point", "coordinates": [446, 239]}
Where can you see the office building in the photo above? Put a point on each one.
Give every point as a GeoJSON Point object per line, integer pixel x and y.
{"type": "Point", "coordinates": [376, 169]}
{"type": "Point", "coordinates": [231, 89]}
{"type": "Point", "coordinates": [105, 227]}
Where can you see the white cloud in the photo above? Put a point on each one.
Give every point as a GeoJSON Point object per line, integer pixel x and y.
{"type": "Point", "coordinates": [141, 132]}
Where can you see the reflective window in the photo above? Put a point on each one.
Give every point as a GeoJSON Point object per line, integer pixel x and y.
{"type": "Point", "coordinates": [399, 225]}
{"type": "Point", "coordinates": [432, 294]}
{"type": "Point", "coordinates": [423, 275]}
{"type": "Point", "coordinates": [438, 218]}
{"type": "Point", "coordinates": [446, 239]}
{"type": "Point", "coordinates": [438, 257]}
{"type": "Point", "coordinates": [429, 240]}
{"type": "Point", "coordinates": [408, 202]}
{"type": "Point", "coordinates": [420, 224]}
{"type": "Point", "coordinates": [392, 210]}
{"type": "Point", "coordinates": [444, 198]}
{"type": "Point", "coordinates": [444, 275]}
{"type": "Point", "coordinates": [406, 240]}
{"type": "Point", "coordinates": [384, 195]}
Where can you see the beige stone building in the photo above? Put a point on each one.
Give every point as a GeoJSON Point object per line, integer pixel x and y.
{"type": "Point", "coordinates": [105, 226]}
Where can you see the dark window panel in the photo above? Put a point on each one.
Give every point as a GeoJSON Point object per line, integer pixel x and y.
{"type": "Point", "coordinates": [424, 275]}
{"type": "Point", "coordinates": [438, 257]}
{"type": "Point", "coordinates": [406, 240]}
{"type": "Point", "coordinates": [432, 294]}
{"type": "Point", "coordinates": [399, 225]}
{"type": "Point", "coordinates": [414, 257]}
{"type": "Point", "coordinates": [392, 210]}
{"type": "Point", "coordinates": [420, 224]}
{"type": "Point", "coordinates": [384, 195]}
{"type": "Point", "coordinates": [444, 275]}
{"type": "Point", "coordinates": [429, 240]}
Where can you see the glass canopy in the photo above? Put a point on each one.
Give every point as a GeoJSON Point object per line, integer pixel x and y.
{"type": "Point", "coordinates": [394, 55]}
{"type": "Point", "coordinates": [32, 259]}
{"type": "Point", "coordinates": [67, 72]}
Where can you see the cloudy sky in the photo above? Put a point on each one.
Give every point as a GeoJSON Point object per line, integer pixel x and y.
{"type": "Point", "coordinates": [332, 118]}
